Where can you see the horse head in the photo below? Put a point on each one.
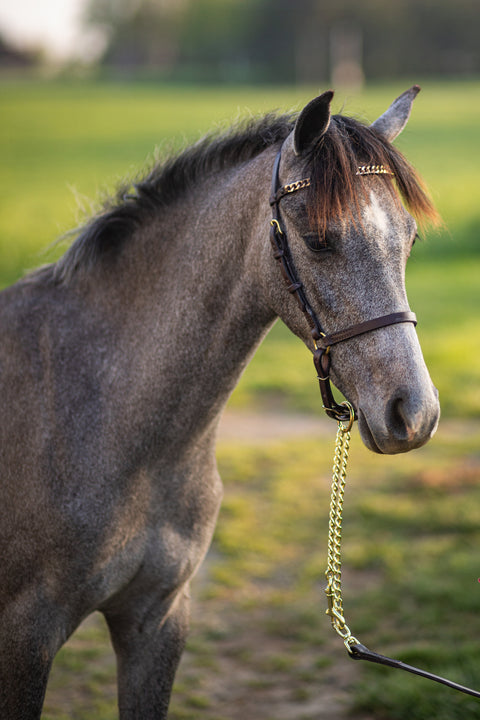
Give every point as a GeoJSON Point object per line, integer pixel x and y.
{"type": "Point", "coordinates": [351, 227]}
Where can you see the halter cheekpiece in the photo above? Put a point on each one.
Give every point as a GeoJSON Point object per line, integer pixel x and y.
{"type": "Point", "coordinates": [322, 341]}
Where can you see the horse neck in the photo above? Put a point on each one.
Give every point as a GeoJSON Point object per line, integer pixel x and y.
{"type": "Point", "coordinates": [191, 309]}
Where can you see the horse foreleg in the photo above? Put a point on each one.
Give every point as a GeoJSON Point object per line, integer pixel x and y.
{"type": "Point", "coordinates": [148, 644]}
{"type": "Point", "coordinates": [23, 681]}
{"type": "Point", "coordinates": [28, 643]}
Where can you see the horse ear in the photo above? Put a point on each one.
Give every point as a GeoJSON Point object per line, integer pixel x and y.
{"type": "Point", "coordinates": [312, 123]}
{"type": "Point", "coordinates": [392, 122]}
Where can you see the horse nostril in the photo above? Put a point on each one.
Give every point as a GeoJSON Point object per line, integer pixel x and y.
{"type": "Point", "coordinates": [399, 421]}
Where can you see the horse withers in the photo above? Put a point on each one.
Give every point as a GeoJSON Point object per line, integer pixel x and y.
{"type": "Point", "coordinates": [116, 363]}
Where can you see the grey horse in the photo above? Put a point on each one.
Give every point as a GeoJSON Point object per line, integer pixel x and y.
{"type": "Point", "coordinates": [116, 363]}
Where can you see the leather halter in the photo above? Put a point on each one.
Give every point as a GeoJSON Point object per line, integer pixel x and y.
{"type": "Point", "coordinates": [322, 341]}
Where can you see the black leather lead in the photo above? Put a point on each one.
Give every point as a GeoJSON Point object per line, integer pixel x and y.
{"type": "Point", "coordinates": [360, 652]}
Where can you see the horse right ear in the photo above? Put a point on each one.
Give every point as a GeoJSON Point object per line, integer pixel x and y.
{"type": "Point", "coordinates": [392, 122]}
{"type": "Point", "coordinates": [312, 123]}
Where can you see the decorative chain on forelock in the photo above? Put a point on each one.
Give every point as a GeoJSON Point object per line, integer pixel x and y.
{"type": "Point", "coordinates": [373, 170]}
{"type": "Point", "coordinates": [361, 170]}
{"type": "Point", "coordinates": [297, 185]}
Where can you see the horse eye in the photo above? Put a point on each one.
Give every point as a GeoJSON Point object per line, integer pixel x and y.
{"type": "Point", "coordinates": [315, 243]}
{"type": "Point", "coordinates": [417, 237]}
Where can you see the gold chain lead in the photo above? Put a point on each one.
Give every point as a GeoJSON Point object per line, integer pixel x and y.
{"type": "Point", "coordinates": [333, 573]}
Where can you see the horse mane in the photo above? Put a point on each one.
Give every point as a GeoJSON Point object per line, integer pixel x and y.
{"type": "Point", "coordinates": [136, 202]}
{"type": "Point", "coordinates": [332, 166]}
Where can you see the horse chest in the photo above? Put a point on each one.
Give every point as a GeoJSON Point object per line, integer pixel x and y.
{"type": "Point", "coordinates": [158, 533]}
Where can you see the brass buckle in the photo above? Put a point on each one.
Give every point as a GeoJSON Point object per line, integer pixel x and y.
{"type": "Point", "coordinates": [276, 226]}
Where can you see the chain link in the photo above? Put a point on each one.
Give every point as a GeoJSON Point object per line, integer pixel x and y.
{"type": "Point", "coordinates": [333, 573]}
{"type": "Point", "coordinates": [297, 185]}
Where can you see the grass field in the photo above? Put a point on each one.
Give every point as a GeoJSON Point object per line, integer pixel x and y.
{"type": "Point", "coordinates": [63, 142]}
{"type": "Point", "coordinates": [63, 145]}
{"type": "Point", "coordinates": [260, 645]}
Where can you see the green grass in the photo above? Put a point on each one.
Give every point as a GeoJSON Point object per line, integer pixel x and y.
{"type": "Point", "coordinates": [411, 534]}
{"type": "Point", "coordinates": [64, 144]}
{"type": "Point", "coordinates": [260, 643]}
{"type": "Point", "coordinates": [61, 140]}
{"type": "Point", "coordinates": [83, 682]}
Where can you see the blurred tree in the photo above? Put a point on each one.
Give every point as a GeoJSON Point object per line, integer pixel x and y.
{"type": "Point", "coordinates": [214, 38]}
{"type": "Point", "coordinates": [140, 33]}
{"type": "Point", "coordinates": [285, 41]}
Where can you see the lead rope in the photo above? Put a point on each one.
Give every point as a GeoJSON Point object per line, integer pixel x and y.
{"type": "Point", "coordinates": [333, 573]}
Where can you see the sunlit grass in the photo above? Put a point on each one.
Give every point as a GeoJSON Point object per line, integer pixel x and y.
{"type": "Point", "coordinates": [64, 145]}
{"type": "Point", "coordinates": [83, 682]}
{"type": "Point", "coordinates": [410, 587]}
{"type": "Point", "coordinates": [60, 140]}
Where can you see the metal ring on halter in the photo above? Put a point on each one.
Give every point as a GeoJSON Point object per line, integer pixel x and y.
{"type": "Point", "coordinates": [317, 347]}
{"type": "Point", "coordinates": [275, 224]}
{"type": "Point", "coordinates": [348, 427]}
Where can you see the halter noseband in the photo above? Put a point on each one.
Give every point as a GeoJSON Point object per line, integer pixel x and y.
{"type": "Point", "coordinates": [322, 341]}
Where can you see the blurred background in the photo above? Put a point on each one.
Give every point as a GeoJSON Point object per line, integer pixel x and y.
{"type": "Point", "coordinates": [268, 41]}
{"type": "Point", "coordinates": [91, 92]}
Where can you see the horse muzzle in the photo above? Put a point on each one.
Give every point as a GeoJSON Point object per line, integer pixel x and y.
{"type": "Point", "coordinates": [408, 421]}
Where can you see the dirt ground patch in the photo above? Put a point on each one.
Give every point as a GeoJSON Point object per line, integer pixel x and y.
{"type": "Point", "coordinates": [251, 427]}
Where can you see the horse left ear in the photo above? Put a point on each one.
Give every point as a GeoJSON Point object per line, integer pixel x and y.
{"type": "Point", "coordinates": [392, 122]}
{"type": "Point", "coordinates": [312, 123]}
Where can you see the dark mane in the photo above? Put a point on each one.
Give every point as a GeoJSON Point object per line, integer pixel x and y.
{"type": "Point", "coordinates": [167, 182]}
{"type": "Point", "coordinates": [332, 166]}
{"type": "Point", "coordinates": [336, 189]}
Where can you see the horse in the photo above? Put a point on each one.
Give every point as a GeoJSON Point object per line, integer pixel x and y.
{"type": "Point", "coordinates": [117, 360]}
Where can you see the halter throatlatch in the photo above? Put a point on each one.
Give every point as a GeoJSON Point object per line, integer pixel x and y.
{"type": "Point", "coordinates": [322, 341]}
